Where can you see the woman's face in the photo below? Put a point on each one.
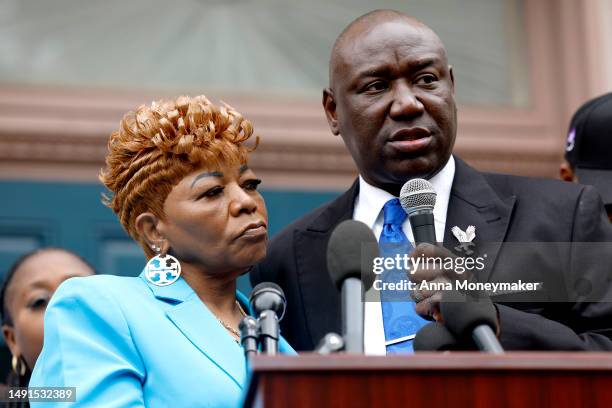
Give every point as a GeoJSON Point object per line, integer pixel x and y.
{"type": "Point", "coordinates": [216, 220]}
{"type": "Point", "coordinates": [29, 293]}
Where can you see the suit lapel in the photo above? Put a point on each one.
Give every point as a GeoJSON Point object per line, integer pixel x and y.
{"type": "Point", "coordinates": [474, 202]}
{"type": "Point", "coordinates": [191, 316]}
{"type": "Point", "coordinates": [320, 298]}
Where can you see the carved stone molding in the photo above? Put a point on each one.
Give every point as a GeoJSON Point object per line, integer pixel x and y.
{"type": "Point", "coordinates": [61, 134]}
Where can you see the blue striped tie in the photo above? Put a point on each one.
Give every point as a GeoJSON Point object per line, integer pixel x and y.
{"type": "Point", "coordinates": [399, 316]}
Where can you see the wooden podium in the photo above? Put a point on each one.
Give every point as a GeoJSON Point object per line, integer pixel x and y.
{"type": "Point", "coordinates": [431, 380]}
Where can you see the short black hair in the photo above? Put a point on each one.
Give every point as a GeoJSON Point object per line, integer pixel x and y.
{"type": "Point", "coordinates": [4, 314]}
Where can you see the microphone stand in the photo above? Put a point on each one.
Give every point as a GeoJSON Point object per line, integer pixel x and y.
{"type": "Point", "coordinates": [248, 336]}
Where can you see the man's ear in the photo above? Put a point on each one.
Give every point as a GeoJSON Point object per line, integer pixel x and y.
{"type": "Point", "coordinates": [566, 173]}
{"type": "Point", "coordinates": [329, 105]}
{"type": "Point", "coordinates": [148, 227]}
{"type": "Point", "coordinates": [9, 337]}
{"type": "Point", "coordinates": [452, 77]}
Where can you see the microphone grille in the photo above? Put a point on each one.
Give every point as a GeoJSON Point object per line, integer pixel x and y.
{"type": "Point", "coordinates": [417, 194]}
{"type": "Point", "coordinates": [351, 250]}
{"type": "Point", "coordinates": [268, 296]}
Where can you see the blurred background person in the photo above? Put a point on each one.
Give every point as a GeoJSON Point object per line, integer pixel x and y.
{"type": "Point", "coordinates": [181, 187]}
{"type": "Point", "coordinates": [588, 153]}
{"type": "Point", "coordinates": [26, 291]}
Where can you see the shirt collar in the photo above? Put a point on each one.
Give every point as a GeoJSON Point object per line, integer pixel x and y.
{"type": "Point", "coordinates": [370, 200]}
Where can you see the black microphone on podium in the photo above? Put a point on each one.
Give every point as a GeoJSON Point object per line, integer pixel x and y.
{"type": "Point", "coordinates": [470, 315]}
{"type": "Point", "coordinates": [435, 337]}
{"type": "Point", "coordinates": [418, 199]}
{"type": "Point", "coordinates": [268, 302]}
{"type": "Point", "coordinates": [351, 251]}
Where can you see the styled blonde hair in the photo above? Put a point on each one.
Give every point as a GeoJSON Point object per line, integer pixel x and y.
{"type": "Point", "coordinates": [156, 146]}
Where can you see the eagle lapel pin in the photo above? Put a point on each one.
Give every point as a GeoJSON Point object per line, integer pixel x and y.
{"type": "Point", "coordinates": [465, 239]}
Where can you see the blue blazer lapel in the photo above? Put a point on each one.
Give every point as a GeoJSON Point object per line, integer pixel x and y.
{"type": "Point", "coordinates": [205, 332]}
{"type": "Point", "coordinates": [191, 316]}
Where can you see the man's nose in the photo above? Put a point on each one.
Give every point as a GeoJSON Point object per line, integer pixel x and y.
{"type": "Point", "coordinates": [405, 102]}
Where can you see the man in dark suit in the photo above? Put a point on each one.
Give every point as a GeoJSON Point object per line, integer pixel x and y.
{"type": "Point", "coordinates": [391, 98]}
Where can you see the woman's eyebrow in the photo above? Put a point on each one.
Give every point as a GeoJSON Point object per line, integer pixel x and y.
{"type": "Point", "coordinates": [208, 174]}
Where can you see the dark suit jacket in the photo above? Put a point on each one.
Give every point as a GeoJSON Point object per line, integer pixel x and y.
{"type": "Point", "coordinates": [503, 208]}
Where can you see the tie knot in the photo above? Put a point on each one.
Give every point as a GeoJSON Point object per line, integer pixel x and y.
{"type": "Point", "coordinates": [393, 213]}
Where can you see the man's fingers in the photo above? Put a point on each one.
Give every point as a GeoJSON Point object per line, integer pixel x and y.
{"type": "Point", "coordinates": [424, 250]}
{"type": "Point", "coordinates": [427, 289]}
{"type": "Point", "coordinates": [429, 307]}
{"type": "Point", "coordinates": [431, 262]}
{"type": "Point", "coordinates": [423, 273]}
{"type": "Point", "coordinates": [423, 268]}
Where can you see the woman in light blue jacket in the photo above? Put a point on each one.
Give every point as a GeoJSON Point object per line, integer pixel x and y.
{"type": "Point", "coordinates": [181, 187]}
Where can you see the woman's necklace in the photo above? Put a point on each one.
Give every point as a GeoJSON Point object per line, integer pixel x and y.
{"type": "Point", "coordinates": [229, 328]}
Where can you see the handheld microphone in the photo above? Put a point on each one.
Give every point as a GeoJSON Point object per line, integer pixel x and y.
{"type": "Point", "coordinates": [418, 199]}
{"type": "Point", "coordinates": [351, 245]}
{"type": "Point", "coordinates": [434, 337]}
{"type": "Point", "coordinates": [248, 336]}
{"type": "Point", "coordinates": [467, 316]}
{"type": "Point", "coordinates": [268, 302]}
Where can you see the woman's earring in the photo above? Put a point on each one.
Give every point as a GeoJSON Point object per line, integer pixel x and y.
{"type": "Point", "coordinates": [18, 365]}
{"type": "Point", "coordinates": [162, 270]}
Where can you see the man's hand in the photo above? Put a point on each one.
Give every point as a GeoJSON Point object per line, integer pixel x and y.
{"type": "Point", "coordinates": [428, 300]}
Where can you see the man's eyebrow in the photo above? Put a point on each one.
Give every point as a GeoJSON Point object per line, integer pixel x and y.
{"type": "Point", "coordinates": [243, 168]}
{"type": "Point", "coordinates": [378, 70]}
{"type": "Point", "coordinates": [209, 174]}
{"type": "Point", "coordinates": [373, 71]}
{"type": "Point", "coordinates": [424, 63]}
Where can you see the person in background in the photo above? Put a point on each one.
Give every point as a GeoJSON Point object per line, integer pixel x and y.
{"type": "Point", "coordinates": [181, 187]}
{"type": "Point", "coordinates": [26, 291]}
{"type": "Point", "coordinates": [588, 153]}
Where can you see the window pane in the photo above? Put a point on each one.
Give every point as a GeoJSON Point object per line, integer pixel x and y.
{"type": "Point", "coordinates": [245, 46]}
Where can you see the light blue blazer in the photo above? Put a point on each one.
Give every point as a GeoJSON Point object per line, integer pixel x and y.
{"type": "Point", "coordinates": [123, 342]}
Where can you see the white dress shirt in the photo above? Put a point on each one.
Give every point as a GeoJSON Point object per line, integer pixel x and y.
{"type": "Point", "coordinates": [368, 209]}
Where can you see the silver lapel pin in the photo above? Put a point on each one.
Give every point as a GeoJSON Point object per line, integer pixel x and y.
{"type": "Point", "coordinates": [465, 239]}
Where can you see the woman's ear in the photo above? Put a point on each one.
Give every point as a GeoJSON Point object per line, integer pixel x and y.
{"type": "Point", "coordinates": [9, 337]}
{"type": "Point", "coordinates": [147, 225]}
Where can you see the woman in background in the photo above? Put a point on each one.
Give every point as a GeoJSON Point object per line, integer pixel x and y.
{"type": "Point", "coordinates": [181, 187]}
{"type": "Point", "coordinates": [26, 291]}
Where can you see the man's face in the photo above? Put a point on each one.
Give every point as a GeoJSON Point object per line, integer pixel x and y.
{"type": "Point", "coordinates": [393, 103]}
